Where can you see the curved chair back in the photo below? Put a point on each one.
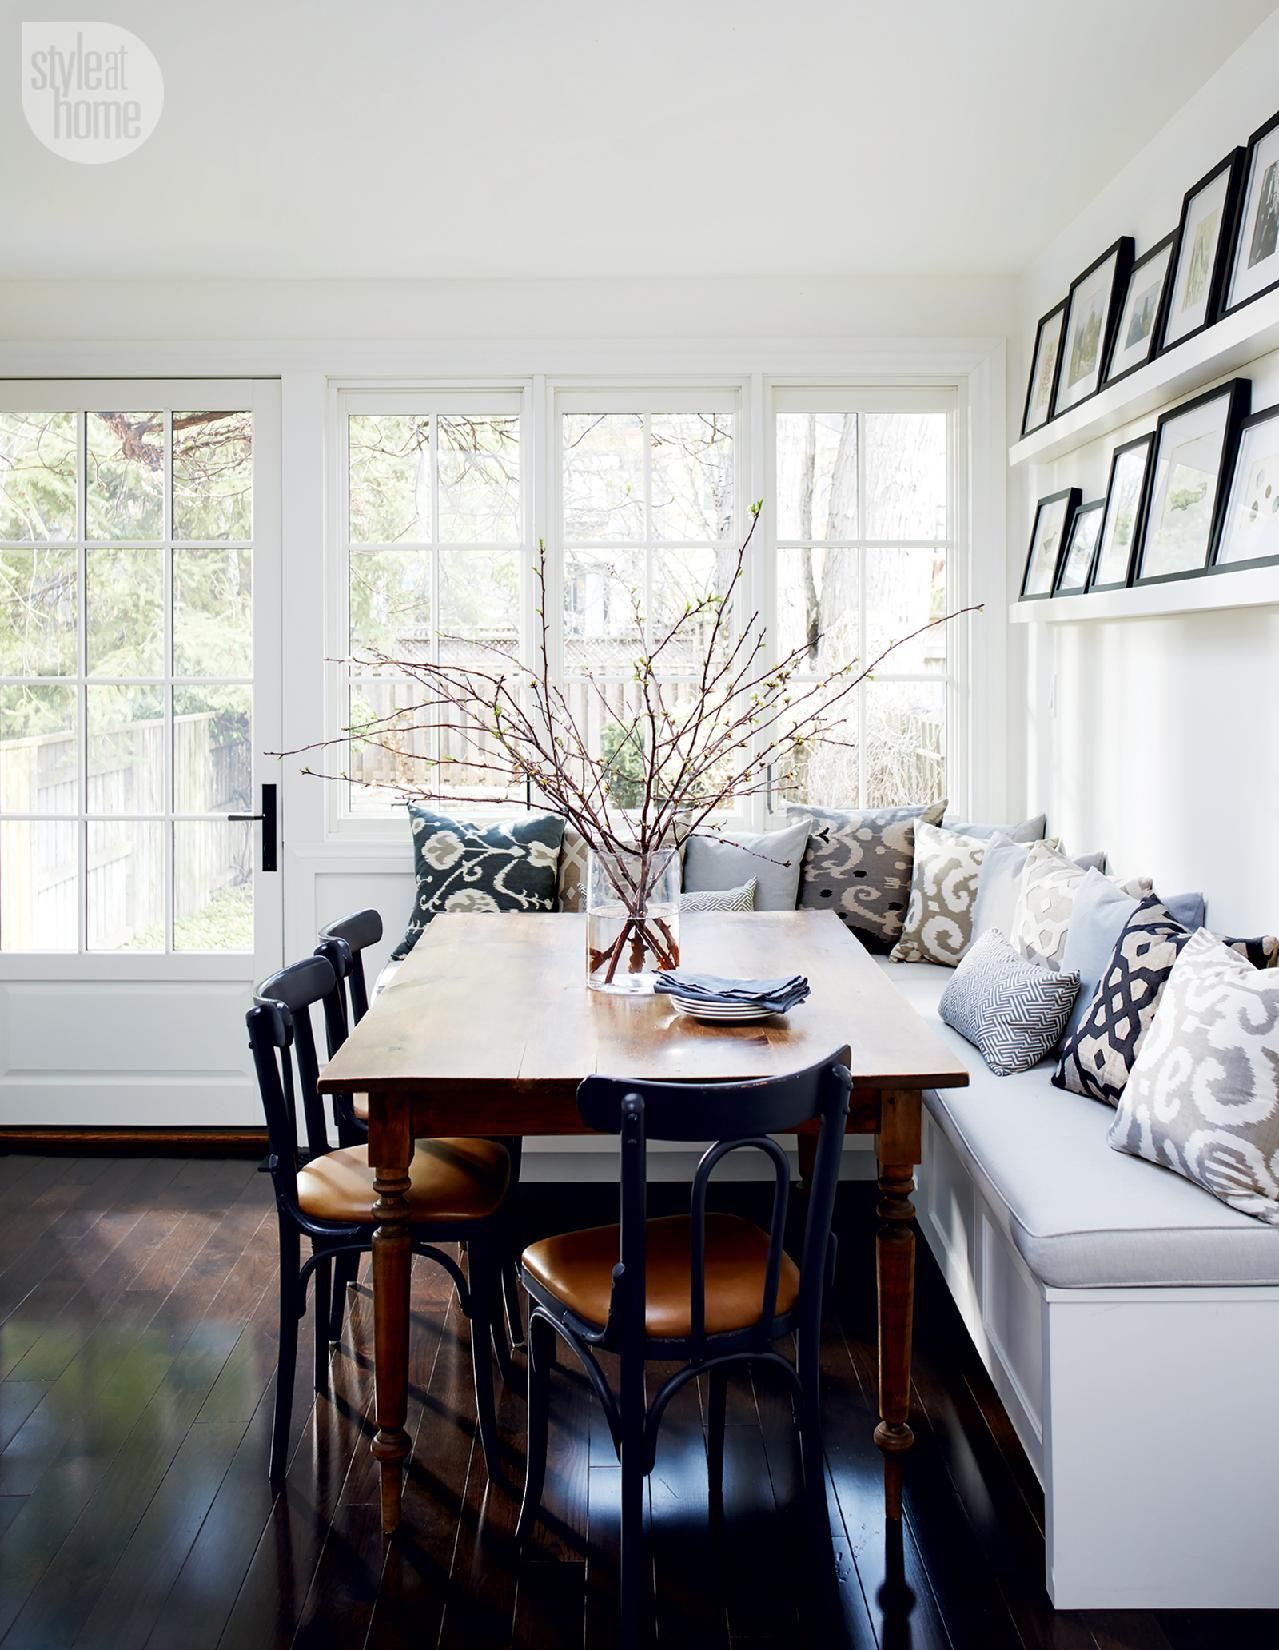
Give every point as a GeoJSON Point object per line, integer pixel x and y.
{"type": "Point", "coordinates": [734, 1116]}
{"type": "Point", "coordinates": [356, 932]}
{"type": "Point", "coordinates": [285, 1057]}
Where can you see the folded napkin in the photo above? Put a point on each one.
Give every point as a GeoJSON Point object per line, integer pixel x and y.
{"type": "Point", "coordinates": [778, 996]}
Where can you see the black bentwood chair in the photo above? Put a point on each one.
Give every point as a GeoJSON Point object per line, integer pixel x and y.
{"type": "Point", "coordinates": [455, 1195]}
{"type": "Point", "coordinates": [711, 1290]}
{"type": "Point", "coordinates": [342, 943]}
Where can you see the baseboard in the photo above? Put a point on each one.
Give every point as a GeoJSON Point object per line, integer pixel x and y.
{"type": "Point", "coordinates": [128, 1142]}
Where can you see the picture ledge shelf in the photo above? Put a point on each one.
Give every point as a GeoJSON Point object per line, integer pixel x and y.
{"type": "Point", "coordinates": [1221, 350]}
{"type": "Point", "coordinates": [1210, 592]}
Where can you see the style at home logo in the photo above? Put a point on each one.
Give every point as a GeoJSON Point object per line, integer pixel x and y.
{"type": "Point", "coordinates": [91, 92]}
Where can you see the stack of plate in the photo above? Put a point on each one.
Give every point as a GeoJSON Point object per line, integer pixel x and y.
{"type": "Point", "coordinates": [697, 1010]}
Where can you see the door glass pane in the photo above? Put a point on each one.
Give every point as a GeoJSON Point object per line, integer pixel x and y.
{"type": "Point", "coordinates": [391, 604]}
{"type": "Point", "coordinates": [39, 752]}
{"type": "Point", "coordinates": [125, 612]}
{"type": "Point", "coordinates": [126, 750]}
{"type": "Point", "coordinates": [906, 482]}
{"type": "Point", "coordinates": [37, 475]}
{"type": "Point", "coordinates": [38, 612]}
{"type": "Point", "coordinates": [905, 742]}
{"type": "Point", "coordinates": [906, 589]}
{"type": "Point", "coordinates": [479, 462]}
{"type": "Point", "coordinates": [212, 750]}
{"type": "Point", "coordinates": [212, 612]}
{"type": "Point", "coordinates": [126, 885]}
{"type": "Point", "coordinates": [213, 885]}
{"type": "Point", "coordinates": [817, 476]}
{"type": "Point", "coordinates": [479, 606]}
{"type": "Point", "coordinates": [390, 477]}
{"type": "Point", "coordinates": [817, 599]}
{"type": "Point", "coordinates": [603, 477]}
{"type": "Point", "coordinates": [212, 475]}
{"type": "Point", "coordinates": [692, 475]}
{"type": "Point", "coordinates": [39, 886]}
{"type": "Point", "coordinates": [124, 485]}
{"type": "Point", "coordinates": [825, 773]}
{"type": "Point", "coordinates": [388, 728]}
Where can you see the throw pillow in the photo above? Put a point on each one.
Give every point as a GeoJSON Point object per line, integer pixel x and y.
{"type": "Point", "coordinates": [943, 886]}
{"type": "Point", "coordinates": [998, 882]}
{"type": "Point", "coordinates": [1010, 1010]}
{"type": "Point", "coordinates": [1203, 1095]}
{"type": "Point", "coordinates": [773, 860]}
{"type": "Point", "coordinates": [460, 867]}
{"type": "Point", "coordinates": [1099, 1052]}
{"type": "Point", "coordinates": [570, 888]}
{"type": "Point", "coordinates": [721, 899]}
{"type": "Point", "coordinates": [1029, 830]}
{"type": "Point", "coordinates": [858, 863]}
{"type": "Point", "coordinates": [1046, 896]}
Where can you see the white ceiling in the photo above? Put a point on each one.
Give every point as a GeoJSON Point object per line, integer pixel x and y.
{"type": "Point", "coordinates": [412, 138]}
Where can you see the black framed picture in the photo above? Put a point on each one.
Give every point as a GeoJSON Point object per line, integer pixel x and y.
{"type": "Point", "coordinates": [1194, 449]}
{"type": "Point", "coordinates": [1250, 522]}
{"type": "Point", "coordinates": [1254, 265]}
{"type": "Point", "coordinates": [1090, 317]}
{"type": "Point", "coordinates": [1205, 237]}
{"type": "Point", "coordinates": [1043, 370]}
{"type": "Point", "coordinates": [1048, 536]}
{"type": "Point", "coordinates": [1122, 518]}
{"type": "Point", "coordinates": [1141, 312]}
{"type": "Point", "coordinates": [1081, 547]}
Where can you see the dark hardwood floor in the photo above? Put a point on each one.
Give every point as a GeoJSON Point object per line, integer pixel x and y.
{"type": "Point", "coordinates": [137, 1343]}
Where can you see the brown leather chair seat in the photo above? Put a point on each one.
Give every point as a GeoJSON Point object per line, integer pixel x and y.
{"type": "Point", "coordinates": [450, 1180]}
{"type": "Point", "coordinates": [577, 1269]}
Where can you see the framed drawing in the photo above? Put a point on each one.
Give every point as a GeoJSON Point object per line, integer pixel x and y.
{"type": "Point", "coordinates": [1141, 312]}
{"type": "Point", "coordinates": [1090, 317]}
{"type": "Point", "coordinates": [1121, 520]}
{"type": "Point", "coordinates": [1194, 447]}
{"type": "Point", "coordinates": [1204, 239]}
{"type": "Point", "coordinates": [1081, 547]}
{"type": "Point", "coordinates": [1254, 267]}
{"type": "Point", "coordinates": [1043, 371]}
{"type": "Point", "coordinates": [1250, 522]}
{"type": "Point", "coordinates": [1052, 523]}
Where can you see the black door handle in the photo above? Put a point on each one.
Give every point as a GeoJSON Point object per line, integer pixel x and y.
{"type": "Point", "coordinates": [269, 817]}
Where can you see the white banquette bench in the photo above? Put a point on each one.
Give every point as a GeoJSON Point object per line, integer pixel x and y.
{"type": "Point", "coordinates": [1130, 1323]}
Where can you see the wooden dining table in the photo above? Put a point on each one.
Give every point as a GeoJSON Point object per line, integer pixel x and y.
{"type": "Point", "coordinates": [488, 1028]}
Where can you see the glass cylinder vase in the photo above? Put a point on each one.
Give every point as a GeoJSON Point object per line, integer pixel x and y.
{"type": "Point", "coordinates": [632, 919]}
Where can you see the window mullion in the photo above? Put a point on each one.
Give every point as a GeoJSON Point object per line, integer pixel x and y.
{"type": "Point", "coordinates": [169, 854]}
{"type": "Point", "coordinates": [82, 670]}
{"type": "Point", "coordinates": [863, 627]}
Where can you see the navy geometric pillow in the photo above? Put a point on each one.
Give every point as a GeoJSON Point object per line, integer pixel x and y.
{"type": "Point", "coordinates": [509, 867]}
{"type": "Point", "coordinates": [1012, 1011]}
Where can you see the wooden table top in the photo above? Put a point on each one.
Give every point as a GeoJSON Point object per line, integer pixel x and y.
{"type": "Point", "coordinates": [501, 1001]}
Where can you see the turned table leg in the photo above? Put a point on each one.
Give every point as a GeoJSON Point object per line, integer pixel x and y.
{"type": "Point", "coordinates": [898, 1150]}
{"type": "Point", "coordinates": [390, 1150]}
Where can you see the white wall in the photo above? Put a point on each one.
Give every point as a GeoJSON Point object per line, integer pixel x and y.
{"type": "Point", "coordinates": [1153, 737]}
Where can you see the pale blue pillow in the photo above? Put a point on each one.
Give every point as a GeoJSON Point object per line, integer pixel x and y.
{"type": "Point", "coordinates": [1030, 830]}
{"type": "Point", "coordinates": [773, 860]}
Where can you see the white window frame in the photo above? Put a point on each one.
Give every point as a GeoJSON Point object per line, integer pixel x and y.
{"type": "Point", "coordinates": [545, 395]}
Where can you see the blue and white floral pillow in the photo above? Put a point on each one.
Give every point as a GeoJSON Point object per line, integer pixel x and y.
{"type": "Point", "coordinates": [508, 867]}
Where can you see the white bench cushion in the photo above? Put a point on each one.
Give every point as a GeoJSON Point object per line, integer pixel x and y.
{"type": "Point", "coordinates": [1080, 1215]}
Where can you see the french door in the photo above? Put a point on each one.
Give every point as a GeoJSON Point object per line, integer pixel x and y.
{"type": "Point", "coordinates": [139, 693]}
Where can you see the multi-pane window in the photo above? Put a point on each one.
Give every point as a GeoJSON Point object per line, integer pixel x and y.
{"type": "Point", "coordinates": [125, 679]}
{"type": "Point", "coordinates": [646, 504]}
{"type": "Point", "coordinates": [437, 558]}
{"type": "Point", "coordinates": [864, 538]}
{"type": "Point", "coordinates": [648, 515]}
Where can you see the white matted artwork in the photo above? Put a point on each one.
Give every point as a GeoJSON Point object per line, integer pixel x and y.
{"type": "Point", "coordinates": [1250, 527]}
{"type": "Point", "coordinates": [1081, 546]}
{"type": "Point", "coordinates": [1121, 519]}
{"type": "Point", "coordinates": [1193, 446]}
{"type": "Point", "coordinates": [1255, 267]}
{"type": "Point", "coordinates": [1052, 522]}
{"type": "Point", "coordinates": [1205, 218]}
{"type": "Point", "coordinates": [1137, 334]}
{"type": "Point", "coordinates": [1088, 316]}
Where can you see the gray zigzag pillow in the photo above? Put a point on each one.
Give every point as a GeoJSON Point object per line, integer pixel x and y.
{"type": "Point", "coordinates": [1011, 1011]}
{"type": "Point", "coordinates": [858, 864]}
